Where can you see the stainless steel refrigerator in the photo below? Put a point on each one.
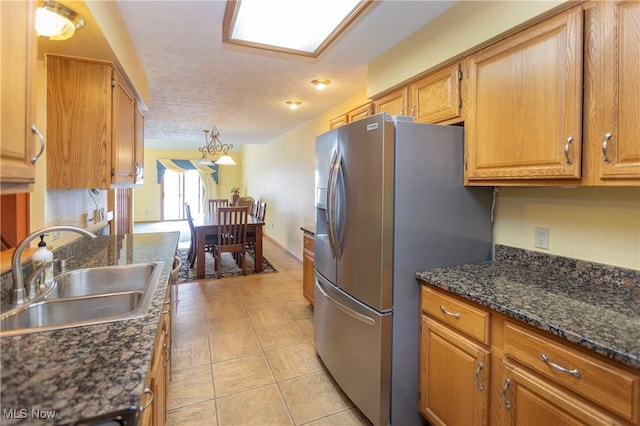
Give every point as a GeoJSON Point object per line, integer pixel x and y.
{"type": "Point", "coordinates": [390, 201]}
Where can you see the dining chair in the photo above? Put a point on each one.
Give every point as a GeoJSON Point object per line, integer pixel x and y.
{"type": "Point", "coordinates": [209, 240]}
{"type": "Point", "coordinates": [232, 234]}
{"type": "Point", "coordinates": [245, 202]}
{"type": "Point", "coordinates": [260, 214]}
{"type": "Point", "coordinates": [214, 203]}
{"type": "Point", "coordinates": [253, 211]}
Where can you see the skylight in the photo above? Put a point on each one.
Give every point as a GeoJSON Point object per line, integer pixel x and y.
{"type": "Point", "coordinates": [302, 27]}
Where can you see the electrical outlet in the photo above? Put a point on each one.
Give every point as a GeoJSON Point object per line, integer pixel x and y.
{"type": "Point", "coordinates": [542, 238]}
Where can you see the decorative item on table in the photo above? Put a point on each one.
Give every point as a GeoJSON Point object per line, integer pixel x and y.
{"type": "Point", "coordinates": [236, 195]}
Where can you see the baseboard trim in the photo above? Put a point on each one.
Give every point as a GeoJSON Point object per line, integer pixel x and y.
{"type": "Point", "coordinates": [289, 252]}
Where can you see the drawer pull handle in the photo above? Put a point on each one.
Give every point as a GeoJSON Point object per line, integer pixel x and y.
{"type": "Point", "coordinates": [566, 150]}
{"type": "Point", "coordinates": [507, 404]}
{"type": "Point", "coordinates": [479, 385]}
{"type": "Point", "coordinates": [605, 142]}
{"type": "Point", "coordinates": [451, 314]}
{"type": "Point", "coordinates": [574, 372]}
{"type": "Point", "coordinates": [145, 406]}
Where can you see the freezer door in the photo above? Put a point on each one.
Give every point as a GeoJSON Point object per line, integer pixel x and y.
{"type": "Point", "coordinates": [326, 156]}
{"type": "Point", "coordinates": [365, 210]}
{"type": "Point", "coordinates": [354, 342]}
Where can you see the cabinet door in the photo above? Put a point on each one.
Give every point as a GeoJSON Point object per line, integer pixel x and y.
{"type": "Point", "coordinates": [436, 97]}
{"type": "Point", "coordinates": [17, 62]}
{"type": "Point", "coordinates": [530, 400]}
{"type": "Point", "coordinates": [123, 143]}
{"type": "Point", "coordinates": [79, 109]}
{"type": "Point", "coordinates": [308, 286]}
{"type": "Point", "coordinates": [613, 91]}
{"type": "Point", "coordinates": [338, 121]}
{"type": "Point", "coordinates": [454, 377]}
{"type": "Point", "coordinates": [394, 103]}
{"type": "Point", "coordinates": [525, 104]}
{"type": "Point", "coordinates": [139, 146]}
{"type": "Point", "coordinates": [358, 113]}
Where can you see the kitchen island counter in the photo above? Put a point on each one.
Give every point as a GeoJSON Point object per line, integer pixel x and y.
{"type": "Point", "coordinates": [88, 371]}
{"type": "Point", "coordinates": [594, 306]}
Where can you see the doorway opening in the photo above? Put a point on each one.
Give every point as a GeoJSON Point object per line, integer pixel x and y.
{"type": "Point", "coordinates": [178, 189]}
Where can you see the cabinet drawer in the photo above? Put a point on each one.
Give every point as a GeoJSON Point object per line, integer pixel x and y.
{"type": "Point", "coordinates": [456, 313]}
{"type": "Point", "coordinates": [308, 242]}
{"type": "Point", "coordinates": [596, 380]}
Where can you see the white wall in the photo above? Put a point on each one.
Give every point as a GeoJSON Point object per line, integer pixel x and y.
{"type": "Point", "coordinates": [281, 173]}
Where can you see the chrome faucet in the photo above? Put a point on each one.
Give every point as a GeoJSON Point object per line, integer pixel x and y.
{"type": "Point", "coordinates": [19, 296]}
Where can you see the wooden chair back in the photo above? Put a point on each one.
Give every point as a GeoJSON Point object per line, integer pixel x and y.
{"type": "Point", "coordinates": [232, 235]}
{"type": "Point", "coordinates": [262, 211]}
{"type": "Point", "coordinates": [245, 202]}
{"type": "Point", "coordinates": [215, 203]}
{"type": "Point", "coordinates": [253, 211]}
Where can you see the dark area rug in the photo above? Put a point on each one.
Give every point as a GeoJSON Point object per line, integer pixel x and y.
{"type": "Point", "coordinates": [229, 267]}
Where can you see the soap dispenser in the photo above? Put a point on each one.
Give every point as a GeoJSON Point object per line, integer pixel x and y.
{"type": "Point", "coordinates": [43, 255]}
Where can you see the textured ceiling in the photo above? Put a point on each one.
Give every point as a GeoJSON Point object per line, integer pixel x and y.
{"type": "Point", "coordinates": [196, 81]}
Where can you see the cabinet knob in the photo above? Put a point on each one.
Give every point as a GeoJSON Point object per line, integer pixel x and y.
{"type": "Point", "coordinates": [35, 130]}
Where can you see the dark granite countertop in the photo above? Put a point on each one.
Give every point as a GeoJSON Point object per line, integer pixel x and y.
{"type": "Point", "coordinates": [574, 300]}
{"type": "Point", "coordinates": [88, 371]}
{"type": "Point", "coordinates": [309, 229]}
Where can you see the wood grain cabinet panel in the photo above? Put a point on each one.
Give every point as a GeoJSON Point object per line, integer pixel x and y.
{"type": "Point", "coordinates": [91, 125]}
{"type": "Point", "coordinates": [612, 91]}
{"type": "Point", "coordinates": [524, 119]}
{"type": "Point", "coordinates": [437, 98]}
{"type": "Point", "coordinates": [308, 279]}
{"type": "Point", "coordinates": [17, 60]}
{"type": "Point", "coordinates": [454, 377]}
{"type": "Point", "coordinates": [394, 103]}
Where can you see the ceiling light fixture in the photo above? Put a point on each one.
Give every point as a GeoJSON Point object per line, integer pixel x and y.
{"type": "Point", "coordinates": [291, 26]}
{"type": "Point", "coordinates": [293, 104]}
{"type": "Point", "coordinates": [57, 22]}
{"type": "Point", "coordinates": [321, 83]}
{"type": "Point", "coordinates": [214, 146]}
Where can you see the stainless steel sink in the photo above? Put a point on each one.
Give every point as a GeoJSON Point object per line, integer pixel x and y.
{"type": "Point", "coordinates": [86, 297]}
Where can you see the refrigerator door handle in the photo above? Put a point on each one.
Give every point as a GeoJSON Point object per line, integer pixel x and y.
{"type": "Point", "coordinates": [344, 308]}
{"type": "Point", "coordinates": [332, 201]}
{"type": "Point", "coordinates": [329, 204]}
{"type": "Point", "coordinates": [341, 206]}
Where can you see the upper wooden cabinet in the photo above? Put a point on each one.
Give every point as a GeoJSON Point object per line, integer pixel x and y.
{"type": "Point", "coordinates": [524, 119]}
{"type": "Point", "coordinates": [351, 116]}
{"type": "Point", "coordinates": [437, 98]}
{"type": "Point", "coordinates": [612, 91]}
{"type": "Point", "coordinates": [17, 61]}
{"type": "Point", "coordinates": [91, 125]}
{"type": "Point", "coordinates": [138, 154]}
{"type": "Point", "coordinates": [395, 103]}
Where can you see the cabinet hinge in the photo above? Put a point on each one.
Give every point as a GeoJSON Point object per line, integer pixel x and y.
{"type": "Point", "coordinates": [113, 82]}
{"type": "Point", "coordinates": [459, 102]}
{"type": "Point", "coordinates": [459, 75]}
{"type": "Point", "coordinates": [419, 396]}
{"type": "Point", "coordinates": [465, 165]}
{"type": "Point", "coordinates": [113, 172]}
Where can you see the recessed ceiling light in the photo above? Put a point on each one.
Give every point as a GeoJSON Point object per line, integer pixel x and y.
{"type": "Point", "coordinates": [321, 83]}
{"type": "Point", "coordinates": [293, 104]}
{"type": "Point", "coordinates": [292, 26]}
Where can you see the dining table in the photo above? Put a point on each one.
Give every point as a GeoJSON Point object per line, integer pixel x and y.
{"type": "Point", "coordinates": [206, 224]}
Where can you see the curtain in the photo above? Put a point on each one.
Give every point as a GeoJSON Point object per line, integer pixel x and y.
{"type": "Point", "coordinates": [208, 175]}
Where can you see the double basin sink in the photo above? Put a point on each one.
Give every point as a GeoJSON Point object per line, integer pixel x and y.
{"type": "Point", "coordinates": [86, 297]}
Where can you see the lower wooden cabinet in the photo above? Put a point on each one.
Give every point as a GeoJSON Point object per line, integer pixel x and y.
{"type": "Point", "coordinates": [519, 375]}
{"type": "Point", "coordinates": [154, 403]}
{"type": "Point", "coordinates": [454, 377]}
{"type": "Point", "coordinates": [307, 266]}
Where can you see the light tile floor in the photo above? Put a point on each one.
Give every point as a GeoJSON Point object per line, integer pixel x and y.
{"type": "Point", "coordinates": [243, 354]}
